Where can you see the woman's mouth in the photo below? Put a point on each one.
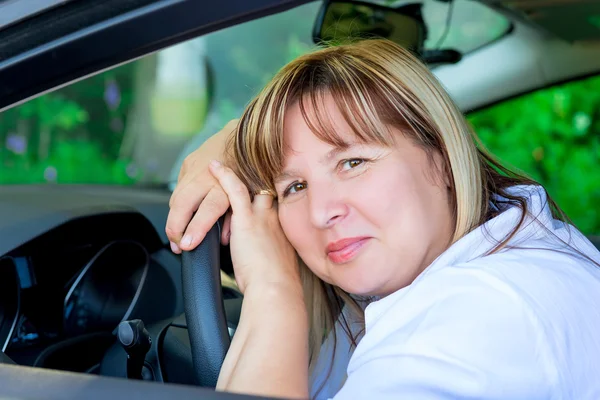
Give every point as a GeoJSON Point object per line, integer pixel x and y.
{"type": "Point", "coordinates": [345, 250]}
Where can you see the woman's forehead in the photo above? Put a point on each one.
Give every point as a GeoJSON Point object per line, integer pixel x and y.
{"type": "Point", "coordinates": [313, 109]}
{"type": "Point", "coordinates": [301, 141]}
{"type": "Point", "coordinates": [303, 122]}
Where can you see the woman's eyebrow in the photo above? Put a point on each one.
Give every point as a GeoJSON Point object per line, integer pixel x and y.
{"type": "Point", "coordinates": [286, 175]}
{"type": "Point", "coordinates": [333, 153]}
{"type": "Point", "coordinates": [323, 160]}
{"type": "Point", "coordinates": [339, 150]}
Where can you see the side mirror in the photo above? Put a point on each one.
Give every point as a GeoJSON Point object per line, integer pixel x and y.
{"type": "Point", "coordinates": [342, 20]}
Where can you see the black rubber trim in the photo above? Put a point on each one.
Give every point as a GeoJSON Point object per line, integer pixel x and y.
{"type": "Point", "coordinates": [96, 44]}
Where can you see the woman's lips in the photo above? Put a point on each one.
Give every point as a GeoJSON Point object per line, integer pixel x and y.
{"type": "Point", "coordinates": [343, 251]}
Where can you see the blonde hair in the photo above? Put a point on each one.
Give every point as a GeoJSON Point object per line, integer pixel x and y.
{"type": "Point", "coordinates": [376, 85]}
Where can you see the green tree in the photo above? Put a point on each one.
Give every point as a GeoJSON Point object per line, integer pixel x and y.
{"type": "Point", "coordinates": [553, 135]}
{"type": "Point", "coordinates": [70, 135]}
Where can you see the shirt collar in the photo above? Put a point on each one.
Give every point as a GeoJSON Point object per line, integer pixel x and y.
{"type": "Point", "coordinates": [484, 238]}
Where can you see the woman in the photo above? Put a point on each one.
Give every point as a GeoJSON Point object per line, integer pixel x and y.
{"type": "Point", "coordinates": [395, 237]}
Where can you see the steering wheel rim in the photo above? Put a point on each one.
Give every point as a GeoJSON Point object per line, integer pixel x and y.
{"type": "Point", "coordinates": [204, 308]}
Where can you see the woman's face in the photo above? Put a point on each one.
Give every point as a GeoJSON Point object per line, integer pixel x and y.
{"type": "Point", "coordinates": [369, 218]}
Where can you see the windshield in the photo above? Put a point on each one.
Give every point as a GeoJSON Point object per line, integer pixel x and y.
{"type": "Point", "coordinates": [136, 123]}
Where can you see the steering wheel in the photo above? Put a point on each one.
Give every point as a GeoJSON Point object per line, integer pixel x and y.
{"type": "Point", "coordinates": [204, 308]}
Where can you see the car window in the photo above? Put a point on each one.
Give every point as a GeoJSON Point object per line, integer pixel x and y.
{"type": "Point", "coordinates": [135, 123]}
{"type": "Point", "coordinates": [131, 124]}
{"type": "Point", "coordinates": [553, 135]}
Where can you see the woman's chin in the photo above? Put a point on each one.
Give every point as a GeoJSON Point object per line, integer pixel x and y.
{"type": "Point", "coordinates": [359, 280]}
{"type": "Point", "coordinates": [366, 279]}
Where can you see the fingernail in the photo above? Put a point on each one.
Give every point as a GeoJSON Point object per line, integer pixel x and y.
{"type": "Point", "coordinates": [187, 240]}
{"type": "Point", "coordinates": [175, 248]}
{"type": "Point", "coordinates": [215, 163]}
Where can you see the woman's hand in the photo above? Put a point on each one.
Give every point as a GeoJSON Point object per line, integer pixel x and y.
{"type": "Point", "coordinates": [197, 191]}
{"type": "Point", "coordinates": [274, 318]}
{"type": "Point", "coordinates": [260, 252]}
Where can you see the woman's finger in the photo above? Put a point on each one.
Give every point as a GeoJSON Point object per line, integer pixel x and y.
{"type": "Point", "coordinates": [263, 201]}
{"type": "Point", "coordinates": [226, 231]}
{"type": "Point", "coordinates": [239, 198]}
{"type": "Point", "coordinates": [213, 206]}
{"type": "Point", "coordinates": [184, 201]}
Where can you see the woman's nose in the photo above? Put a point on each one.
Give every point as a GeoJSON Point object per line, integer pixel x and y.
{"type": "Point", "coordinates": [326, 205]}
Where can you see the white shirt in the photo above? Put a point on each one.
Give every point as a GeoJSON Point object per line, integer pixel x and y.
{"type": "Point", "coordinates": [519, 324]}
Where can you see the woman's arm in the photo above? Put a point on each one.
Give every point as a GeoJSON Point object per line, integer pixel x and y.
{"type": "Point", "coordinates": [269, 352]}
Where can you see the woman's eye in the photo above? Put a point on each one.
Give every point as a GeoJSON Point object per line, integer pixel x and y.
{"type": "Point", "coordinates": [295, 188]}
{"type": "Point", "coordinates": [352, 163]}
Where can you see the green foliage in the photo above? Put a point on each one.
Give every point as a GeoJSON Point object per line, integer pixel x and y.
{"type": "Point", "coordinates": [71, 162]}
{"type": "Point", "coordinates": [553, 135]}
{"type": "Point", "coordinates": [69, 136]}
{"type": "Point", "coordinates": [54, 112]}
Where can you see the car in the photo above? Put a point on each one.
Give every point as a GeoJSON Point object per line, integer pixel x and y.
{"type": "Point", "coordinates": [100, 102]}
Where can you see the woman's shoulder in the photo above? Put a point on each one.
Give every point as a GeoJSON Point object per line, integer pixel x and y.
{"type": "Point", "coordinates": [457, 332]}
{"type": "Point", "coordinates": [519, 317]}
{"type": "Point", "coordinates": [458, 290]}
{"type": "Point", "coordinates": [548, 279]}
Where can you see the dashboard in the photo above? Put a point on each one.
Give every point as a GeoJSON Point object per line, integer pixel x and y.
{"type": "Point", "coordinates": [74, 262]}
{"type": "Point", "coordinates": [76, 291]}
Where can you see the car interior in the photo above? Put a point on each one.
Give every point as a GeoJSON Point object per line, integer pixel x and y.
{"type": "Point", "coordinates": [93, 303]}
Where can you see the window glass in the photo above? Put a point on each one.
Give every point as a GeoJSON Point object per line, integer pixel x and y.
{"type": "Point", "coordinates": [136, 123]}
{"type": "Point", "coordinates": [553, 135]}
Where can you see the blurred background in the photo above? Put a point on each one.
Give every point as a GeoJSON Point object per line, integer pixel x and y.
{"type": "Point", "coordinates": [134, 124]}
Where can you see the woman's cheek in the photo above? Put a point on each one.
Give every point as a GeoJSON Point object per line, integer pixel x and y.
{"type": "Point", "coordinates": [291, 223]}
{"type": "Point", "coordinates": [297, 231]}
